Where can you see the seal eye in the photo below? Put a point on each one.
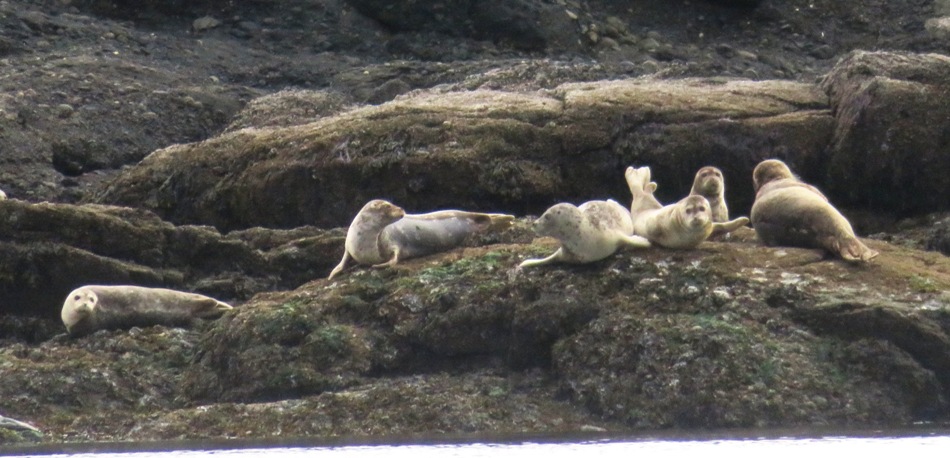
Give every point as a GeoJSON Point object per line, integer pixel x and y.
{"type": "Point", "coordinates": [77, 297]}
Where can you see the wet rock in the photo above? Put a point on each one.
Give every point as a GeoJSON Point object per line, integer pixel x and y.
{"type": "Point", "coordinates": [887, 152]}
{"type": "Point", "coordinates": [938, 237]}
{"type": "Point", "coordinates": [49, 249]}
{"type": "Point", "coordinates": [423, 150]}
{"type": "Point", "coordinates": [523, 24]}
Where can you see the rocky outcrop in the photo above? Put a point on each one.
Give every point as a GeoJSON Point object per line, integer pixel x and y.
{"type": "Point", "coordinates": [481, 150]}
{"type": "Point", "coordinates": [524, 24]}
{"type": "Point", "coordinates": [521, 152]}
{"type": "Point", "coordinates": [49, 249]}
{"type": "Point", "coordinates": [732, 334]}
{"type": "Point", "coordinates": [889, 149]}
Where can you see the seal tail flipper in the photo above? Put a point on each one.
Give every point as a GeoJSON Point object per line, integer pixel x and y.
{"type": "Point", "coordinates": [538, 262]}
{"type": "Point", "coordinates": [339, 267]}
{"type": "Point", "coordinates": [641, 190]}
{"type": "Point", "coordinates": [729, 226]}
{"type": "Point", "coordinates": [851, 249]}
{"type": "Point", "coordinates": [499, 221]}
{"type": "Point", "coordinates": [222, 307]}
{"type": "Point", "coordinates": [635, 241]}
{"type": "Point", "coordinates": [209, 308]}
{"type": "Point", "coordinates": [638, 180]}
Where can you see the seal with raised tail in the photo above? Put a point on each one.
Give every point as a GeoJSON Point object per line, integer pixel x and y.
{"type": "Point", "coordinates": [93, 307]}
{"type": "Point", "coordinates": [591, 232]}
{"type": "Point", "coordinates": [382, 233]}
{"type": "Point", "coordinates": [789, 212]}
{"type": "Point", "coordinates": [682, 225]}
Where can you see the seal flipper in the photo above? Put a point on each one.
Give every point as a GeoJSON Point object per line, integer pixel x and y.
{"type": "Point", "coordinates": [392, 261]}
{"type": "Point", "coordinates": [635, 241]}
{"type": "Point", "coordinates": [729, 226]}
{"type": "Point", "coordinates": [851, 249]}
{"type": "Point", "coordinates": [339, 267]}
{"type": "Point", "coordinates": [537, 262]}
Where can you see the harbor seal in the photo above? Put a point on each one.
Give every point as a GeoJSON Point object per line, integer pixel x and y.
{"type": "Point", "coordinates": [710, 184]}
{"type": "Point", "coordinates": [789, 212]}
{"type": "Point", "coordinates": [382, 233]}
{"type": "Point", "coordinates": [93, 307]}
{"type": "Point", "coordinates": [3, 195]}
{"type": "Point", "coordinates": [591, 232]}
{"type": "Point", "coordinates": [682, 225]}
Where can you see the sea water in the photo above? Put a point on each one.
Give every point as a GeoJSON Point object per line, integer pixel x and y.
{"type": "Point", "coordinates": [921, 444]}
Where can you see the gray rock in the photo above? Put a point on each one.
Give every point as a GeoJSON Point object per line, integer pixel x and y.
{"type": "Point", "coordinates": [888, 150]}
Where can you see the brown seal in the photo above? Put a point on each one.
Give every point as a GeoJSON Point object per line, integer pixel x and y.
{"type": "Point", "coordinates": [93, 307]}
{"type": "Point", "coordinates": [382, 234]}
{"type": "Point", "coordinates": [591, 232]}
{"type": "Point", "coordinates": [789, 212]}
{"type": "Point", "coordinates": [682, 225]}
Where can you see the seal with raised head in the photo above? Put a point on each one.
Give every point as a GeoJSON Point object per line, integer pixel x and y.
{"type": "Point", "coordinates": [3, 195]}
{"type": "Point", "coordinates": [682, 225]}
{"type": "Point", "coordinates": [710, 184]}
{"type": "Point", "coordinates": [591, 232]}
{"type": "Point", "coordinates": [789, 212]}
{"type": "Point", "coordinates": [382, 234]}
{"type": "Point", "coordinates": [93, 307]}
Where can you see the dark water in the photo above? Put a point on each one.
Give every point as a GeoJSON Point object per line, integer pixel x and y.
{"type": "Point", "coordinates": [896, 444]}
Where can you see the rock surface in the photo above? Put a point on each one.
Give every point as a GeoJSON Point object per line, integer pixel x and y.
{"type": "Point", "coordinates": [222, 147]}
{"type": "Point", "coordinates": [484, 149]}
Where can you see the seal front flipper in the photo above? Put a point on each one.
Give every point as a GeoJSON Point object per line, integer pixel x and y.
{"type": "Point", "coordinates": [339, 267]}
{"type": "Point", "coordinates": [537, 262]}
{"type": "Point", "coordinates": [635, 241]}
{"type": "Point", "coordinates": [392, 261]}
{"type": "Point", "coordinates": [729, 226]}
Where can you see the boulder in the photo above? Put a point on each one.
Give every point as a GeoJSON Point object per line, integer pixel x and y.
{"type": "Point", "coordinates": [484, 150]}
{"type": "Point", "coordinates": [523, 24]}
{"type": "Point", "coordinates": [889, 150]}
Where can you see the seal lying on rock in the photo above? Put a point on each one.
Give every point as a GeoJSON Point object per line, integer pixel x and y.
{"type": "Point", "coordinates": [588, 233]}
{"type": "Point", "coordinates": [684, 224]}
{"type": "Point", "coordinates": [789, 212]}
{"type": "Point", "coordinates": [382, 234]}
{"type": "Point", "coordinates": [93, 307]}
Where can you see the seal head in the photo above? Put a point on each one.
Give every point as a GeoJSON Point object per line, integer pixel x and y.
{"type": "Point", "coordinates": [710, 184]}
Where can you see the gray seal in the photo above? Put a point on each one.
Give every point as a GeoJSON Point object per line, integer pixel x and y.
{"type": "Point", "coordinates": [789, 212]}
{"type": "Point", "coordinates": [93, 307]}
{"type": "Point", "coordinates": [382, 233]}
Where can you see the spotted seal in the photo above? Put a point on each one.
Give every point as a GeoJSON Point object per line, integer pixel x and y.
{"type": "Point", "coordinates": [588, 233]}
{"type": "Point", "coordinates": [93, 307]}
{"type": "Point", "coordinates": [382, 233]}
{"type": "Point", "coordinates": [710, 184]}
{"type": "Point", "coordinates": [682, 225]}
